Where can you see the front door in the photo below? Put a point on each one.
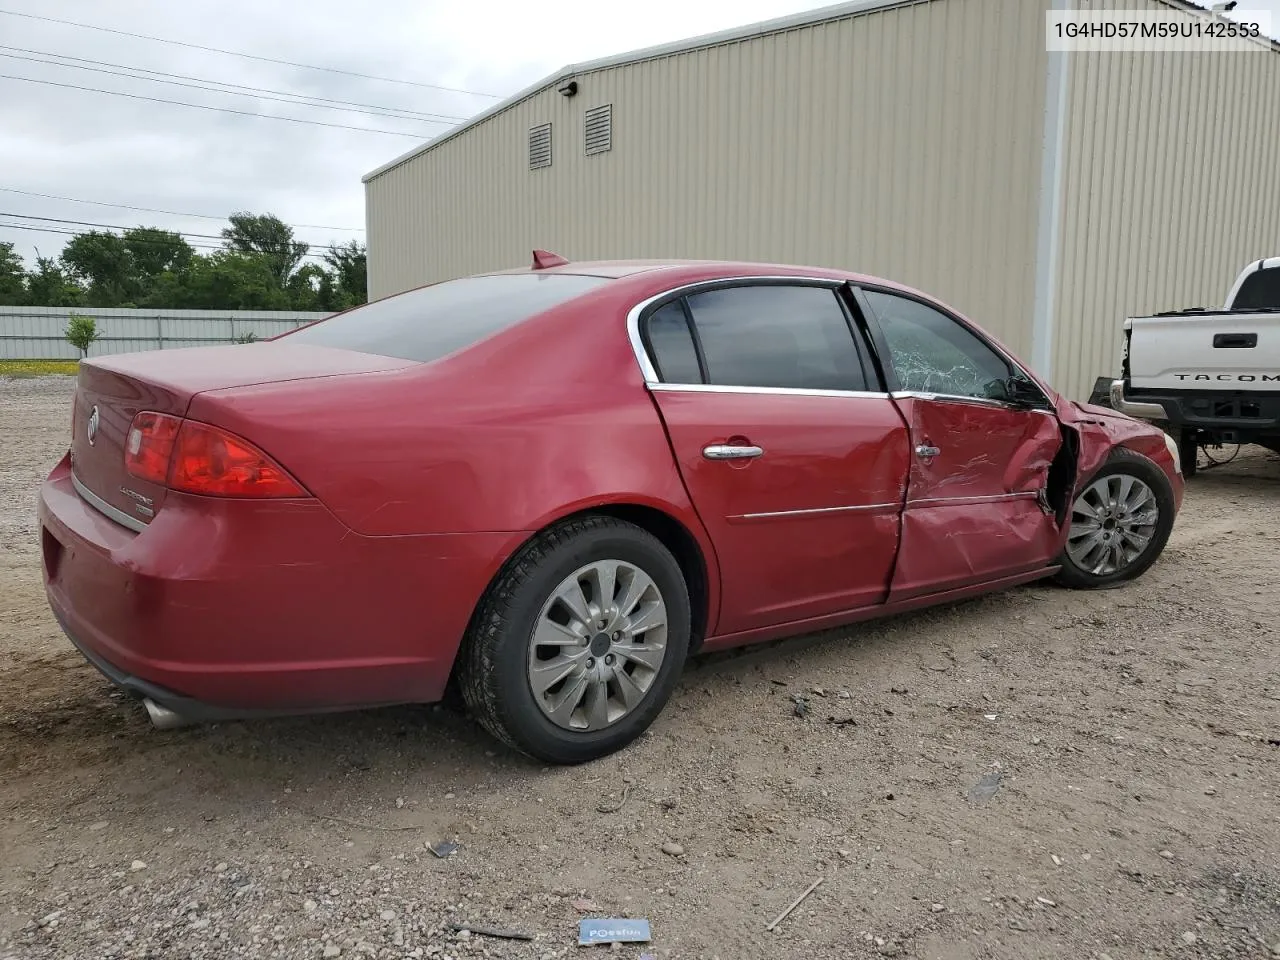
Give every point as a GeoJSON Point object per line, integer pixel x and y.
{"type": "Point", "coordinates": [796, 469]}
{"type": "Point", "coordinates": [976, 506]}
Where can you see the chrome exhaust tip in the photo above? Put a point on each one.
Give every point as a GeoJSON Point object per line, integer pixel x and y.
{"type": "Point", "coordinates": [162, 718]}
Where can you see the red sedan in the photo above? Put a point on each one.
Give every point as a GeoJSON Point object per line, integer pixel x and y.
{"type": "Point", "coordinates": [551, 486]}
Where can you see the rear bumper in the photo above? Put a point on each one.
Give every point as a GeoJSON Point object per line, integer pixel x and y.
{"type": "Point", "coordinates": [1245, 415]}
{"type": "Point", "coordinates": [185, 707]}
{"type": "Point", "coordinates": [1133, 408]}
{"type": "Point", "coordinates": [241, 608]}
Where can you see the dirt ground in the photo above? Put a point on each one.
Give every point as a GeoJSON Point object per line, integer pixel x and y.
{"type": "Point", "coordinates": [1137, 733]}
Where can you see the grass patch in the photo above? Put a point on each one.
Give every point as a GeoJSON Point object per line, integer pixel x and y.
{"type": "Point", "coordinates": [39, 368]}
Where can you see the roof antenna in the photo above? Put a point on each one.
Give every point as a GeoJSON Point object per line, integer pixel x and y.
{"type": "Point", "coordinates": [545, 258]}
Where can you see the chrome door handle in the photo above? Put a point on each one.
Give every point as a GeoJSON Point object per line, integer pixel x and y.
{"type": "Point", "coordinates": [719, 451]}
{"type": "Point", "coordinates": [926, 451]}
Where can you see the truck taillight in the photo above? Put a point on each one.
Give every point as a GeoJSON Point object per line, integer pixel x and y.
{"type": "Point", "coordinates": [200, 458]}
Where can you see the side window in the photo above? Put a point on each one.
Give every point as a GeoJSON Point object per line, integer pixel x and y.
{"type": "Point", "coordinates": [932, 353]}
{"type": "Point", "coordinates": [776, 335]}
{"type": "Point", "coordinates": [671, 345]}
{"type": "Point", "coordinates": [1260, 291]}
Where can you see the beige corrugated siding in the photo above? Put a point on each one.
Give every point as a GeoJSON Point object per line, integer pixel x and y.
{"type": "Point", "coordinates": [904, 142]}
{"type": "Point", "coordinates": [1171, 186]}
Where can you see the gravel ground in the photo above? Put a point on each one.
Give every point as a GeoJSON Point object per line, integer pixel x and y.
{"type": "Point", "coordinates": [1135, 732]}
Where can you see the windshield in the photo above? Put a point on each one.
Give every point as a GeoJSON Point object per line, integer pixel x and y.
{"type": "Point", "coordinates": [433, 322]}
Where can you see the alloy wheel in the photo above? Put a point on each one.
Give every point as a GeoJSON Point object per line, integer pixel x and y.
{"type": "Point", "coordinates": [598, 644]}
{"type": "Point", "coordinates": [1112, 524]}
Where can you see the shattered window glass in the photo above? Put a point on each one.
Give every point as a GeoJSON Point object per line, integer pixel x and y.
{"type": "Point", "coordinates": [931, 353]}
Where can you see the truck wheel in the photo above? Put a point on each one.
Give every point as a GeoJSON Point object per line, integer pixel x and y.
{"type": "Point", "coordinates": [1188, 452]}
{"type": "Point", "coordinates": [1120, 523]}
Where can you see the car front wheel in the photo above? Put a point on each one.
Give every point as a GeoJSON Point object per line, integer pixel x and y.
{"type": "Point", "coordinates": [578, 644]}
{"type": "Point", "coordinates": [1120, 523]}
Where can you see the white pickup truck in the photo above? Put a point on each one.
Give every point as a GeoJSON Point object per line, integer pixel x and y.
{"type": "Point", "coordinates": [1210, 377]}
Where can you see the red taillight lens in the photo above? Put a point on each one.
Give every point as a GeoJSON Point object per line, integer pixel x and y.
{"type": "Point", "coordinates": [149, 445]}
{"type": "Point", "coordinates": [212, 462]}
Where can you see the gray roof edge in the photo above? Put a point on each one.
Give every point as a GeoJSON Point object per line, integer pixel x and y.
{"type": "Point", "coordinates": [746, 32]}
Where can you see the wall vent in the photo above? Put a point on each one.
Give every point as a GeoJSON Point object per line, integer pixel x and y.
{"type": "Point", "coordinates": [598, 129]}
{"type": "Point", "coordinates": [540, 146]}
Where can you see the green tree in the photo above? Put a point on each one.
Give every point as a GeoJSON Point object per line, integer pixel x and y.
{"type": "Point", "coordinates": [13, 277]}
{"type": "Point", "coordinates": [228, 280]}
{"type": "Point", "coordinates": [349, 275]}
{"type": "Point", "coordinates": [307, 288]}
{"type": "Point", "coordinates": [104, 263]}
{"type": "Point", "coordinates": [269, 236]}
{"type": "Point", "coordinates": [154, 251]}
{"type": "Point", "coordinates": [81, 332]}
{"type": "Point", "coordinates": [49, 285]}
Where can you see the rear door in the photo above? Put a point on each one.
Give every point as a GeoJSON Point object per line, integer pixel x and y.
{"type": "Point", "coordinates": [795, 462]}
{"type": "Point", "coordinates": [976, 505]}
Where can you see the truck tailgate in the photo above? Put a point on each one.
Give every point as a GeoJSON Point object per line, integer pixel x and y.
{"type": "Point", "coordinates": [1204, 350]}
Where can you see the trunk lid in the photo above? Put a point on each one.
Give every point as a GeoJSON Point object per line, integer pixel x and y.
{"type": "Point", "coordinates": [111, 390]}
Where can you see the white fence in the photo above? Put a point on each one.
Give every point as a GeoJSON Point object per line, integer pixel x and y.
{"type": "Point", "coordinates": [37, 333]}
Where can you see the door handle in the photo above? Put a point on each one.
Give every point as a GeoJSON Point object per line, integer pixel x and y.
{"type": "Point", "coordinates": [720, 451]}
{"type": "Point", "coordinates": [926, 451]}
{"type": "Point", "coordinates": [1237, 341]}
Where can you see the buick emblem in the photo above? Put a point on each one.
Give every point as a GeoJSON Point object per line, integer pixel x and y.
{"type": "Point", "coordinates": [93, 424]}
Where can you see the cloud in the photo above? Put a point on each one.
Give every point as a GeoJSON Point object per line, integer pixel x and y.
{"type": "Point", "coordinates": [79, 144]}
{"type": "Point", "coordinates": [75, 143]}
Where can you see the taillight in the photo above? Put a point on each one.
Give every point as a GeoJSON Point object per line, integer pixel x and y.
{"type": "Point", "coordinates": [198, 458]}
{"type": "Point", "coordinates": [149, 445]}
{"type": "Point", "coordinates": [212, 462]}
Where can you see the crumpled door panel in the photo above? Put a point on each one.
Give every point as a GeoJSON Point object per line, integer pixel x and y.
{"type": "Point", "coordinates": [976, 509]}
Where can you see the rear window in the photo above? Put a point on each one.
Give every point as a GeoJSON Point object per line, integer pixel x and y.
{"type": "Point", "coordinates": [435, 321]}
{"type": "Point", "coordinates": [1260, 291]}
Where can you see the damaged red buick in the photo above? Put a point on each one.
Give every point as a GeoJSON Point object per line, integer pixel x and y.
{"type": "Point", "coordinates": [546, 488]}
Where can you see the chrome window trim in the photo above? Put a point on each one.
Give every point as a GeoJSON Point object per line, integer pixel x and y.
{"type": "Point", "coordinates": [771, 391]}
{"type": "Point", "coordinates": [815, 511]}
{"type": "Point", "coordinates": [960, 398]}
{"type": "Point", "coordinates": [647, 369]}
{"type": "Point", "coordinates": [106, 509]}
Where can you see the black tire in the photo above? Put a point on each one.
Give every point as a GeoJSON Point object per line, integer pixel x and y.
{"type": "Point", "coordinates": [1188, 452]}
{"type": "Point", "coordinates": [1125, 461]}
{"type": "Point", "coordinates": [494, 665]}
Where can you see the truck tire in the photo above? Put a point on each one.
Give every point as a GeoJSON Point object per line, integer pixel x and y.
{"type": "Point", "coordinates": [1188, 452]}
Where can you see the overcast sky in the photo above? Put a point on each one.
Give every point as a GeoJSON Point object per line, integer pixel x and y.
{"type": "Point", "coordinates": [74, 143]}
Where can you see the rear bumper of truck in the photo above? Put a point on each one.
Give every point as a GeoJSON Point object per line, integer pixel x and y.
{"type": "Point", "coordinates": [1236, 416]}
{"type": "Point", "coordinates": [1142, 410]}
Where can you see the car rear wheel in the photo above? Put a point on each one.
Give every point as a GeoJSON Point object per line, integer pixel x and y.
{"type": "Point", "coordinates": [578, 644]}
{"type": "Point", "coordinates": [1120, 523]}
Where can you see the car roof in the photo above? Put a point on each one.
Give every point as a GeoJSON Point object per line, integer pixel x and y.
{"type": "Point", "coordinates": [680, 270]}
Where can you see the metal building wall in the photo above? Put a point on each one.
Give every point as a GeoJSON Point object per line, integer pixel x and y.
{"type": "Point", "coordinates": [36, 333]}
{"type": "Point", "coordinates": [1171, 184]}
{"type": "Point", "coordinates": [903, 142]}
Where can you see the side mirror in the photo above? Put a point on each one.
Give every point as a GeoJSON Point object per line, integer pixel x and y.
{"type": "Point", "coordinates": [1023, 392]}
{"type": "Point", "coordinates": [997, 390]}
{"type": "Point", "coordinates": [1015, 391]}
